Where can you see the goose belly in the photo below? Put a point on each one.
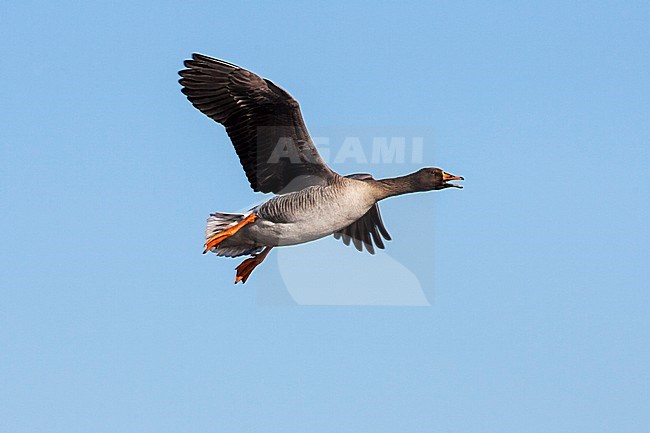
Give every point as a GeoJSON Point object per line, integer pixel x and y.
{"type": "Point", "coordinates": [314, 222]}
{"type": "Point", "coordinates": [319, 226]}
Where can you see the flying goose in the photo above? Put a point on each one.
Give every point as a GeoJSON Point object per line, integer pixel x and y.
{"type": "Point", "coordinates": [312, 201]}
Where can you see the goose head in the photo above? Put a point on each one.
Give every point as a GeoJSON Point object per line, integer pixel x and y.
{"type": "Point", "coordinates": [433, 178]}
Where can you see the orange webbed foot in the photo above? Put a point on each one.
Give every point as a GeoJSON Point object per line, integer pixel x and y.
{"type": "Point", "coordinates": [245, 269]}
{"type": "Point", "coordinates": [217, 238]}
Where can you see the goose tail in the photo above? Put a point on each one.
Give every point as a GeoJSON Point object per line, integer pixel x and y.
{"type": "Point", "coordinates": [221, 223]}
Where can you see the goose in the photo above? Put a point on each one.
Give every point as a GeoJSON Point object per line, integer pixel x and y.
{"type": "Point", "coordinates": [278, 156]}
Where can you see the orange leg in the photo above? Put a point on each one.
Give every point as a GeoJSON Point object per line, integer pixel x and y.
{"type": "Point", "coordinates": [216, 239]}
{"type": "Point", "coordinates": [246, 267]}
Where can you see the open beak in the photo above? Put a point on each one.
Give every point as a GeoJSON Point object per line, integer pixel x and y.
{"type": "Point", "coordinates": [446, 177]}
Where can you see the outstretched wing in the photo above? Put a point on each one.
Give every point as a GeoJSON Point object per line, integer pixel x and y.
{"type": "Point", "coordinates": [263, 122]}
{"type": "Point", "coordinates": [366, 229]}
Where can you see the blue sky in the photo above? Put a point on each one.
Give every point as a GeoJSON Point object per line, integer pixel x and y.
{"type": "Point", "coordinates": [536, 273]}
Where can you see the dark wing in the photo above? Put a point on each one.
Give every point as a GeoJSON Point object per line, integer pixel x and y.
{"type": "Point", "coordinates": [366, 229]}
{"type": "Point", "coordinates": [263, 122]}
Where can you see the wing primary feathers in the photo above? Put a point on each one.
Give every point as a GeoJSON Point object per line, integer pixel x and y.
{"type": "Point", "coordinates": [258, 116]}
{"type": "Point", "coordinates": [365, 231]}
